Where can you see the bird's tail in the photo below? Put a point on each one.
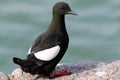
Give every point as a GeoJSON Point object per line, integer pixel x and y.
{"type": "Point", "coordinates": [20, 61]}
{"type": "Point", "coordinates": [27, 65]}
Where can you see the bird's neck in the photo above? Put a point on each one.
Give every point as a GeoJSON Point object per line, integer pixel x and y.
{"type": "Point", "coordinates": [57, 24]}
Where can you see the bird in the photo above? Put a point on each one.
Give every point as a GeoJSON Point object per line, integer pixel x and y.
{"type": "Point", "coordinates": [49, 47]}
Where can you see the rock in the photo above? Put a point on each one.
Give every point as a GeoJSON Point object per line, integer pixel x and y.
{"type": "Point", "coordinates": [4, 76]}
{"type": "Point", "coordinates": [97, 70]}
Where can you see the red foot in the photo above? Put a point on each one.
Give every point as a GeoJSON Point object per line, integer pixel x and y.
{"type": "Point", "coordinates": [59, 74]}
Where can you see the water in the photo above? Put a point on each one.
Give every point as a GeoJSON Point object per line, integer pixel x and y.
{"type": "Point", "coordinates": [94, 34]}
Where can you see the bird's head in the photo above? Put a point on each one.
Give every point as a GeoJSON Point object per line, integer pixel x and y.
{"type": "Point", "coordinates": [62, 8]}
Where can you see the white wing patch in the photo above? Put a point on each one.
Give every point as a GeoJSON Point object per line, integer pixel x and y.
{"type": "Point", "coordinates": [29, 51]}
{"type": "Point", "coordinates": [48, 54]}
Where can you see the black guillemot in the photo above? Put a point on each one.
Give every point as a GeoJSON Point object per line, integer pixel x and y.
{"type": "Point", "coordinates": [49, 47]}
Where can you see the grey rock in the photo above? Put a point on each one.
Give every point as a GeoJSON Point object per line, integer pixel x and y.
{"type": "Point", "coordinates": [4, 76]}
{"type": "Point", "coordinates": [91, 70]}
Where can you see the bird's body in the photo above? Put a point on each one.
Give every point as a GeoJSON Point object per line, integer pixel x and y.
{"type": "Point", "coordinates": [49, 47]}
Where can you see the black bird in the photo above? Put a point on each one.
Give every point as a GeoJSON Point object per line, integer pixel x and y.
{"type": "Point", "coordinates": [49, 47]}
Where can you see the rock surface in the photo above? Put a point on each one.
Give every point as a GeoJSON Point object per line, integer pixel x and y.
{"type": "Point", "coordinates": [4, 76]}
{"type": "Point", "coordinates": [97, 70]}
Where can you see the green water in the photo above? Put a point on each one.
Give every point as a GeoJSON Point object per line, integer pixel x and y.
{"type": "Point", "coordinates": [94, 34]}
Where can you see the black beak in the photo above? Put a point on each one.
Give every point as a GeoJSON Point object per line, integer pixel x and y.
{"type": "Point", "coordinates": [72, 12]}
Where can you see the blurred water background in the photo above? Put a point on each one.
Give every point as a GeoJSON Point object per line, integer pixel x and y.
{"type": "Point", "coordinates": [94, 34]}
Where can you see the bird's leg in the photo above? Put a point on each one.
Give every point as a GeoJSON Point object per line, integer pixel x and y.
{"type": "Point", "coordinates": [59, 74]}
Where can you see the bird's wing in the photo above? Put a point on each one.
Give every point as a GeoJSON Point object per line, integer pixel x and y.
{"type": "Point", "coordinates": [32, 48]}
{"type": "Point", "coordinates": [48, 54]}
{"type": "Point", "coordinates": [44, 49]}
